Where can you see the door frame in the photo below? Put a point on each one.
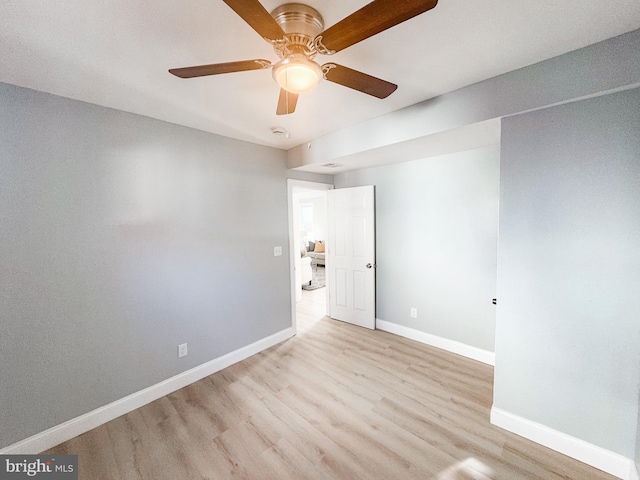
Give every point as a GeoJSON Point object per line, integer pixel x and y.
{"type": "Point", "coordinates": [291, 186]}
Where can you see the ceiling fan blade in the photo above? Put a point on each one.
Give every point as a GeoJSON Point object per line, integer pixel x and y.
{"type": "Point", "coordinates": [358, 81]}
{"type": "Point", "coordinates": [372, 19]}
{"type": "Point", "coordinates": [286, 102]}
{"type": "Point", "coordinates": [252, 12]}
{"type": "Point", "coordinates": [218, 68]}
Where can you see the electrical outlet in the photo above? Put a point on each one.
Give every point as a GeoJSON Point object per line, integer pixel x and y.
{"type": "Point", "coordinates": [182, 350]}
{"type": "Point", "coordinates": [414, 312]}
{"type": "Point", "coordinates": [277, 251]}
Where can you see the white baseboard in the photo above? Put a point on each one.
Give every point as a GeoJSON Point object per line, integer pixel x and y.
{"type": "Point", "coordinates": [633, 472]}
{"type": "Point", "coordinates": [598, 457]}
{"type": "Point", "coordinates": [79, 425]}
{"type": "Point", "coordinates": [452, 346]}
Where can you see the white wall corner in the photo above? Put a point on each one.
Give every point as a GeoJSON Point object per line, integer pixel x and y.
{"type": "Point", "coordinates": [452, 346]}
{"type": "Point", "coordinates": [82, 424]}
{"type": "Point", "coordinates": [598, 457]}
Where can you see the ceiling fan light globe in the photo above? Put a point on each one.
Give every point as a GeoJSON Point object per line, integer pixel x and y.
{"type": "Point", "coordinates": [297, 74]}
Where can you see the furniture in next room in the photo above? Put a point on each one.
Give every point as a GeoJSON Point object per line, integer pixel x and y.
{"type": "Point", "coordinates": [306, 271]}
{"type": "Point", "coordinates": [316, 250]}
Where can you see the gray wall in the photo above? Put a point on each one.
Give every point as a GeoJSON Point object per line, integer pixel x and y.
{"type": "Point", "coordinates": [436, 243]}
{"type": "Point", "coordinates": [567, 329]}
{"type": "Point", "coordinates": [121, 237]}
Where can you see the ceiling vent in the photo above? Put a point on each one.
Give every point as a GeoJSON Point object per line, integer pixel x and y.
{"type": "Point", "coordinates": [280, 131]}
{"type": "Point", "coordinates": [332, 165]}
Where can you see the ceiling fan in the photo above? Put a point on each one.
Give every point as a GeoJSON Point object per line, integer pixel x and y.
{"type": "Point", "coordinates": [296, 33]}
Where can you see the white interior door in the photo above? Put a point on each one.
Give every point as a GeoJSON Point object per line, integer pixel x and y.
{"type": "Point", "coordinates": [351, 255]}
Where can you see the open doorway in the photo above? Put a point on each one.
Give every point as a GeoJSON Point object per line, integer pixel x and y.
{"type": "Point", "coordinates": [307, 237]}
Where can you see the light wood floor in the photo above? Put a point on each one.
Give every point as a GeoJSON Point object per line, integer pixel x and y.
{"type": "Point", "coordinates": [334, 402]}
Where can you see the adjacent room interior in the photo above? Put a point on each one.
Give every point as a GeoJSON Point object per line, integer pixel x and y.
{"type": "Point", "coordinates": [165, 249]}
{"type": "Point", "coordinates": [310, 232]}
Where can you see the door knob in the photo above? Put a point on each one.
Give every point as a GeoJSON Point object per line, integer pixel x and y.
{"type": "Point", "coordinates": [369, 265]}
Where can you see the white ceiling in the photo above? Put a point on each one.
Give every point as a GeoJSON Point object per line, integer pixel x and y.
{"type": "Point", "coordinates": [116, 53]}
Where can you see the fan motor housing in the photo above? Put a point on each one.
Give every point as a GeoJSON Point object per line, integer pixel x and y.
{"type": "Point", "coordinates": [301, 25]}
{"type": "Point", "coordinates": [296, 18]}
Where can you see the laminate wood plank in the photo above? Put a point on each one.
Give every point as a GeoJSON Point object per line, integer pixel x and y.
{"type": "Point", "coordinates": [155, 448]}
{"type": "Point", "coordinates": [278, 422]}
{"type": "Point", "coordinates": [334, 402]}
{"type": "Point", "coordinates": [329, 460]}
{"type": "Point", "coordinates": [456, 444]}
{"type": "Point", "coordinates": [359, 453]}
{"type": "Point", "coordinates": [298, 466]}
{"type": "Point", "coordinates": [204, 410]}
{"type": "Point", "coordinates": [375, 438]}
{"type": "Point", "coordinates": [94, 461]}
